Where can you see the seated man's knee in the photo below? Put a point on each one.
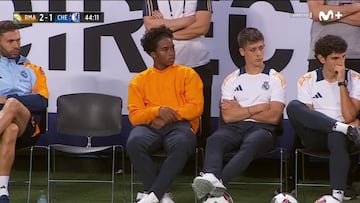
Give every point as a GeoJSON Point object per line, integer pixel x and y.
{"type": "Point", "coordinates": [12, 102]}
{"type": "Point", "coordinates": [292, 106]}
{"type": "Point", "coordinates": [10, 134]}
{"type": "Point", "coordinates": [186, 143]}
{"type": "Point", "coordinates": [135, 141]}
{"type": "Point", "coordinates": [214, 139]}
{"type": "Point", "coordinates": [13, 105]}
{"type": "Point", "coordinates": [211, 140]}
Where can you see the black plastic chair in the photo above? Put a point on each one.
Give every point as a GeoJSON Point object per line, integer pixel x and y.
{"type": "Point", "coordinates": [88, 115]}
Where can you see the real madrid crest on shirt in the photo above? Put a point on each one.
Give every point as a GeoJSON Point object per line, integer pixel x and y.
{"type": "Point", "coordinates": [24, 74]}
{"type": "Point", "coordinates": [266, 85]}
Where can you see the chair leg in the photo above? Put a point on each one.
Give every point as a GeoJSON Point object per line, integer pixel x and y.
{"type": "Point", "coordinates": [114, 148]}
{"type": "Point", "coordinates": [49, 168]}
{"type": "Point", "coordinates": [123, 170]}
{"type": "Point", "coordinates": [285, 179]}
{"type": "Point", "coordinates": [113, 173]}
{"type": "Point", "coordinates": [196, 167]}
{"type": "Point", "coordinates": [281, 170]}
{"type": "Point", "coordinates": [303, 166]}
{"type": "Point", "coordinates": [30, 173]}
{"type": "Point", "coordinates": [131, 182]}
{"type": "Point", "coordinates": [296, 173]}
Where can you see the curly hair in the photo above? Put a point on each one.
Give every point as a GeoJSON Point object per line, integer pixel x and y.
{"type": "Point", "coordinates": [7, 25]}
{"type": "Point", "coordinates": [329, 44]}
{"type": "Point", "coordinates": [249, 34]}
{"type": "Point", "coordinates": [153, 36]}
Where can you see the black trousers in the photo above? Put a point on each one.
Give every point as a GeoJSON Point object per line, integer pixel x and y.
{"type": "Point", "coordinates": [353, 64]}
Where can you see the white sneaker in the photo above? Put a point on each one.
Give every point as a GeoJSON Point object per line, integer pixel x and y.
{"type": "Point", "coordinates": [167, 198]}
{"type": "Point", "coordinates": [150, 198]}
{"type": "Point", "coordinates": [140, 195]}
{"type": "Point", "coordinates": [208, 184]}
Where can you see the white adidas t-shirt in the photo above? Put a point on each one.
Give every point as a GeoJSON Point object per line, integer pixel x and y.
{"type": "Point", "coordinates": [250, 90]}
{"type": "Point", "coordinates": [325, 96]}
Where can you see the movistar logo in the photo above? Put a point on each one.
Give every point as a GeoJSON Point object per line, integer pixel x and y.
{"type": "Point", "coordinates": [329, 15]}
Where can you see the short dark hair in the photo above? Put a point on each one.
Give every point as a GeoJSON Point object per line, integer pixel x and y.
{"type": "Point", "coordinates": [249, 35]}
{"type": "Point", "coordinates": [153, 36]}
{"type": "Point", "coordinates": [330, 44]}
{"type": "Point", "coordinates": [7, 25]}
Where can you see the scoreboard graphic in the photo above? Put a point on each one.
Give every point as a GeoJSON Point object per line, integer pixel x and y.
{"type": "Point", "coordinates": [58, 17]}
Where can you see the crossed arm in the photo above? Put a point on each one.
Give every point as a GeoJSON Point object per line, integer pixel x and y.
{"type": "Point", "coordinates": [184, 28]}
{"type": "Point", "coordinates": [270, 113]}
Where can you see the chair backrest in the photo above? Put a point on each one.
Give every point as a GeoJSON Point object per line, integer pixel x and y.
{"type": "Point", "coordinates": [89, 114]}
{"type": "Point", "coordinates": [44, 121]}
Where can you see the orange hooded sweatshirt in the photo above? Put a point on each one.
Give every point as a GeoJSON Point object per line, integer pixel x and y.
{"type": "Point", "coordinates": [178, 87]}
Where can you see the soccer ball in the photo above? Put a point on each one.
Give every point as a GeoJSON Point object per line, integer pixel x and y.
{"type": "Point", "coordinates": [283, 198]}
{"type": "Point", "coordinates": [226, 198]}
{"type": "Point", "coordinates": [216, 200]}
{"type": "Point", "coordinates": [327, 199]}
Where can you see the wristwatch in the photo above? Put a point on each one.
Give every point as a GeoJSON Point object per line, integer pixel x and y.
{"type": "Point", "coordinates": [344, 83]}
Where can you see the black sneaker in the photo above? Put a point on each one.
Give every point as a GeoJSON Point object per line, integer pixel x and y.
{"type": "Point", "coordinates": [350, 193]}
{"type": "Point", "coordinates": [353, 134]}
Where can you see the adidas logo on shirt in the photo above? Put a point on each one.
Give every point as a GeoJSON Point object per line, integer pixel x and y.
{"type": "Point", "coordinates": [317, 95]}
{"type": "Point", "coordinates": [238, 88]}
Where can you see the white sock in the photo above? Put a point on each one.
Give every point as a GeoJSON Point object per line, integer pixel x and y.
{"type": "Point", "coordinates": [338, 194]}
{"type": "Point", "coordinates": [341, 127]}
{"type": "Point", "coordinates": [4, 181]}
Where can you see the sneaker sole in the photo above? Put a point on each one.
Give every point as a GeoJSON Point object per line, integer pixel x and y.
{"type": "Point", "coordinates": [350, 198]}
{"type": "Point", "coordinates": [203, 186]}
{"type": "Point", "coordinates": [199, 194]}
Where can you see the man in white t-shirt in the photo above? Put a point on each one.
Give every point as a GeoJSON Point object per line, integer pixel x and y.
{"type": "Point", "coordinates": [252, 103]}
{"type": "Point", "coordinates": [325, 113]}
{"type": "Point", "coordinates": [348, 27]}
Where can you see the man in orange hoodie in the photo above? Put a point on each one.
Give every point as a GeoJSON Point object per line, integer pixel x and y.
{"type": "Point", "coordinates": [165, 103]}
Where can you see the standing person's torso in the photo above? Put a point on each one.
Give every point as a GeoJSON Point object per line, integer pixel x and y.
{"type": "Point", "coordinates": [192, 52]}
{"type": "Point", "coordinates": [350, 33]}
